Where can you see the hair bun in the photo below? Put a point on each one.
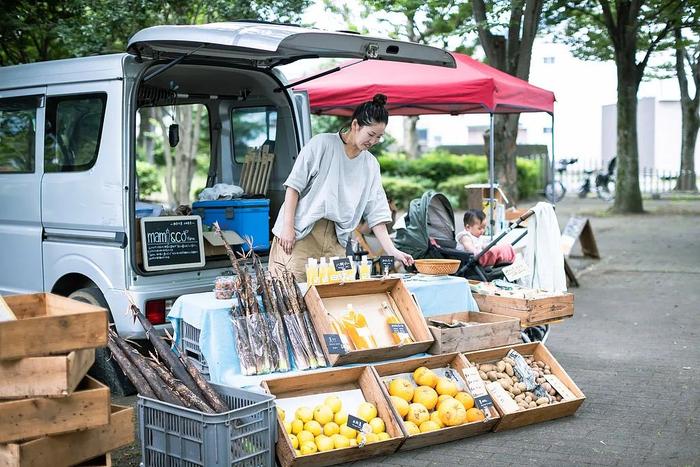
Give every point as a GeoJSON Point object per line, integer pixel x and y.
{"type": "Point", "coordinates": [379, 99]}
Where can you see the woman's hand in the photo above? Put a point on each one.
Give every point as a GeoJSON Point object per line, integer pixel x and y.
{"type": "Point", "coordinates": [287, 239]}
{"type": "Point", "coordinates": [399, 255]}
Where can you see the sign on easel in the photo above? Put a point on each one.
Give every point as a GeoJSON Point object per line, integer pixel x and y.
{"type": "Point", "coordinates": [579, 228]}
{"type": "Point", "coordinates": [173, 242]}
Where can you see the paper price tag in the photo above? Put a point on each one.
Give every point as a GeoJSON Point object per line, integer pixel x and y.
{"type": "Point", "coordinates": [476, 385]}
{"type": "Point", "coordinates": [505, 403]}
{"type": "Point", "coordinates": [560, 387]}
{"type": "Point", "coordinates": [358, 424]}
{"type": "Point", "coordinates": [398, 328]}
{"type": "Point", "coordinates": [334, 344]}
{"type": "Point", "coordinates": [517, 270]}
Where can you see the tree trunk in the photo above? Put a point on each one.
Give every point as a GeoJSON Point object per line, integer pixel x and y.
{"type": "Point", "coordinates": [691, 124]}
{"type": "Point", "coordinates": [410, 137]}
{"type": "Point", "coordinates": [505, 138]}
{"type": "Point", "coordinates": [628, 197]}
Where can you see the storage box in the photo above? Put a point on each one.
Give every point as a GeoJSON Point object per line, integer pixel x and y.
{"type": "Point", "coordinates": [105, 460]}
{"type": "Point", "coordinates": [49, 324]}
{"type": "Point", "coordinates": [72, 448]}
{"type": "Point", "coordinates": [52, 376]}
{"type": "Point", "coordinates": [189, 345]}
{"type": "Point", "coordinates": [247, 217]}
{"type": "Point", "coordinates": [214, 245]}
{"type": "Point", "coordinates": [367, 297]}
{"type": "Point", "coordinates": [531, 312]}
{"type": "Point", "coordinates": [387, 372]}
{"type": "Point", "coordinates": [87, 407]}
{"type": "Point", "coordinates": [334, 381]}
{"type": "Point", "coordinates": [538, 414]}
{"type": "Point", "coordinates": [484, 331]}
{"type": "Point", "coordinates": [174, 435]}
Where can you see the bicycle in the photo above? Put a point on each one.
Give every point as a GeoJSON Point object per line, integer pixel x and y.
{"type": "Point", "coordinates": [555, 190]}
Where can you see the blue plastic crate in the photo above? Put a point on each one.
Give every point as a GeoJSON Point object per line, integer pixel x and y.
{"type": "Point", "coordinates": [247, 217]}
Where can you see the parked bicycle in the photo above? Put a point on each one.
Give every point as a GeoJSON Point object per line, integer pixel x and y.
{"type": "Point", "coordinates": [604, 182]}
{"type": "Point", "coordinates": [555, 190]}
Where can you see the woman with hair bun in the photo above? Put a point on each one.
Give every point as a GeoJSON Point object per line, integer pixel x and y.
{"type": "Point", "coordinates": [335, 182]}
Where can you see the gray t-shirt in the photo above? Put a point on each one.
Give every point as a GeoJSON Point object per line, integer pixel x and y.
{"type": "Point", "coordinates": [332, 186]}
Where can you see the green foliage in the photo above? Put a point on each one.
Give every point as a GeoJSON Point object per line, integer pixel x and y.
{"type": "Point", "coordinates": [395, 164]}
{"type": "Point", "coordinates": [528, 177]}
{"type": "Point", "coordinates": [148, 178]}
{"type": "Point", "coordinates": [453, 187]}
{"type": "Point", "coordinates": [403, 189]}
{"type": "Point", "coordinates": [439, 165]}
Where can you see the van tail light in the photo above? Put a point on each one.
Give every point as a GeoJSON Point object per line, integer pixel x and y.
{"type": "Point", "coordinates": [155, 311]}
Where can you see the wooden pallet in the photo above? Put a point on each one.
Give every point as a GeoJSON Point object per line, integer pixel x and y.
{"type": "Point", "coordinates": [256, 172]}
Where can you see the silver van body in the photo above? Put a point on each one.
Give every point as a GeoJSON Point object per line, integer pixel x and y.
{"type": "Point", "coordinates": [63, 231]}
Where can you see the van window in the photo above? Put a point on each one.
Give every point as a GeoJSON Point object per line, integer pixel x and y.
{"type": "Point", "coordinates": [252, 127]}
{"type": "Point", "coordinates": [17, 133]}
{"type": "Point", "coordinates": [73, 130]}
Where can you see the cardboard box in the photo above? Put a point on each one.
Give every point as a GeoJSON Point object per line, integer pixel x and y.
{"type": "Point", "coordinates": [48, 324]}
{"type": "Point", "coordinates": [484, 331]}
{"type": "Point", "coordinates": [455, 362]}
{"type": "Point", "coordinates": [73, 448]}
{"type": "Point", "coordinates": [52, 376]}
{"type": "Point", "coordinates": [214, 246]}
{"type": "Point", "coordinates": [87, 407]}
{"type": "Point", "coordinates": [367, 297]}
{"type": "Point", "coordinates": [290, 391]}
{"type": "Point", "coordinates": [538, 414]}
{"type": "Point", "coordinates": [530, 312]}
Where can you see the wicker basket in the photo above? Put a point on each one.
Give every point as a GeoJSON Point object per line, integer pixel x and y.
{"type": "Point", "coordinates": [437, 266]}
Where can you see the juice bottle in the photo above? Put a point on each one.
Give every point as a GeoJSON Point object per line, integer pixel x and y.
{"type": "Point", "coordinates": [312, 272]}
{"type": "Point", "coordinates": [349, 274]}
{"type": "Point", "coordinates": [323, 272]}
{"type": "Point", "coordinates": [365, 268]}
{"type": "Point", "coordinates": [333, 274]}
{"type": "Point", "coordinates": [400, 337]}
{"type": "Point", "coordinates": [356, 326]}
{"type": "Point", "coordinates": [339, 329]}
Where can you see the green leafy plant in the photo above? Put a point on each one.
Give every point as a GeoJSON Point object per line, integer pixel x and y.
{"type": "Point", "coordinates": [148, 177]}
{"type": "Point", "coordinates": [403, 189]}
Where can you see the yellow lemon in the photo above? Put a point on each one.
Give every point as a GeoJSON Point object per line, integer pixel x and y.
{"type": "Point", "coordinates": [330, 428]}
{"type": "Point", "coordinates": [474, 415]}
{"type": "Point", "coordinates": [400, 404]}
{"type": "Point", "coordinates": [304, 414]}
{"type": "Point", "coordinates": [369, 437]}
{"type": "Point", "coordinates": [280, 413]}
{"type": "Point", "coordinates": [288, 427]}
{"type": "Point", "coordinates": [334, 403]}
{"type": "Point", "coordinates": [295, 441]}
{"type": "Point", "coordinates": [340, 441]}
{"type": "Point", "coordinates": [297, 426]}
{"type": "Point", "coordinates": [366, 411]}
{"type": "Point", "coordinates": [417, 413]}
{"type": "Point", "coordinates": [435, 417]}
{"type": "Point", "coordinates": [441, 398]}
{"type": "Point", "coordinates": [383, 436]}
{"type": "Point", "coordinates": [429, 426]}
{"type": "Point", "coordinates": [466, 399]}
{"type": "Point", "coordinates": [323, 414]}
{"type": "Point", "coordinates": [425, 377]}
{"type": "Point", "coordinates": [412, 428]}
{"type": "Point", "coordinates": [348, 432]}
{"type": "Point", "coordinates": [297, 452]}
{"type": "Point", "coordinates": [401, 387]}
{"type": "Point", "coordinates": [426, 396]}
{"type": "Point", "coordinates": [353, 442]}
{"type": "Point", "coordinates": [305, 436]}
{"type": "Point", "coordinates": [324, 443]}
{"type": "Point", "coordinates": [446, 386]}
{"type": "Point", "coordinates": [452, 413]}
{"type": "Point", "coordinates": [377, 425]}
{"type": "Point", "coordinates": [313, 427]}
{"type": "Point", "coordinates": [340, 417]}
{"type": "Point", "coordinates": [308, 447]}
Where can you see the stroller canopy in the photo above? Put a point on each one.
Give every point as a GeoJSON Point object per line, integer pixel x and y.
{"type": "Point", "coordinates": [430, 216]}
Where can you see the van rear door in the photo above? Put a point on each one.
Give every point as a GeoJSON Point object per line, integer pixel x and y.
{"type": "Point", "coordinates": [268, 45]}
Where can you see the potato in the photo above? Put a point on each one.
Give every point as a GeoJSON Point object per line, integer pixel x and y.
{"type": "Point", "coordinates": [540, 380]}
{"type": "Point", "coordinates": [505, 384]}
{"type": "Point", "coordinates": [547, 387]}
{"type": "Point", "coordinates": [515, 390]}
{"type": "Point", "coordinates": [532, 405]}
{"type": "Point", "coordinates": [483, 375]}
{"type": "Point", "coordinates": [509, 369]}
{"type": "Point", "coordinates": [501, 366]}
{"type": "Point", "coordinates": [492, 375]}
{"type": "Point", "coordinates": [509, 361]}
{"type": "Point", "coordinates": [486, 367]}
{"type": "Point", "coordinates": [520, 397]}
{"type": "Point", "coordinates": [559, 398]}
{"type": "Point", "coordinates": [547, 371]}
{"type": "Point", "coordinates": [522, 386]}
{"type": "Point", "coordinates": [528, 399]}
{"type": "Point", "coordinates": [542, 401]}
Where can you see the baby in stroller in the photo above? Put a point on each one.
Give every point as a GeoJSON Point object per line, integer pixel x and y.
{"type": "Point", "coordinates": [470, 240]}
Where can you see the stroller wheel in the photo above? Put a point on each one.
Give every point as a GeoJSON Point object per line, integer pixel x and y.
{"type": "Point", "coordinates": [534, 334]}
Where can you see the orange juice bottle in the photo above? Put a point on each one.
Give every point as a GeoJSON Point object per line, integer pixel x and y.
{"type": "Point", "coordinates": [401, 337]}
{"type": "Point", "coordinates": [323, 277]}
{"type": "Point", "coordinates": [339, 329]}
{"type": "Point", "coordinates": [365, 268]}
{"type": "Point", "coordinates": [356, 326]}
{"type": "Point", "coordinates": [312, 272]}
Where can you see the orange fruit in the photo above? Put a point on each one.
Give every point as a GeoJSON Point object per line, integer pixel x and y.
{"type": "Point", "coordinates": [426, 396]}
{"type": "Point", "coordinates": [425, 377]}
{"type": "Point", "coordinates": [446, 386]}
{"type": "Point", "coordinates": [474, 415]}
{"type": "Point", "coordinates": [452, 413]}
{"type": "Point", "coordinates": [400, 404]}
{"type": "Point", "coordinates": [402, 388]}
{"type": "Point", "coordinates": [417, 413]}
{"type": "Point", "coordinates": [466, 399]}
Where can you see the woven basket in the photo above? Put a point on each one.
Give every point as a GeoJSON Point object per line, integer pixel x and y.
{"type": "Point", "coordinates": [437, 266]}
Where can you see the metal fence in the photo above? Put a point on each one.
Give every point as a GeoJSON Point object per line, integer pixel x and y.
{"type": "Point", "coordinates": [651, 181]}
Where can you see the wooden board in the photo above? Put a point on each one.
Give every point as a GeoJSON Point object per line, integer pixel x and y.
{"type": "Point", "coordinates": [52, 376]}
{"type": "Point", "coordinates": [6, 313]}
{"type": "Point", "coordinates": [49, 324]}
{"type": "Point", "coordinates": [488, 331]}
{"type": "Point", "coordinates": [538, 414]}
{"type": "Point", "coordinates": [531, 312]}
{"type": "Point", "coordinates": [320, 298]}
{"type": "Point", "coordinates": [105, 460]}
{"type": "Point", "coordinates": [339, 379]}
{"type": "Point", "coordinates": [73, 448]}
{"type": "Point", "coordinates": [87, 407]}
{"type": "Point", "coordinates": [444, 435]}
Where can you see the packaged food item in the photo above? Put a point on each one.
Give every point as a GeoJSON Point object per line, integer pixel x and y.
{"type": "Point", "coordinates": [223, 287]}
{"type": "Point", "coordinates": [357, 329]}
{"type": "Point", "coordinates": [339, 329]}
{"type": "Point", "coordinates": [399, 330]}
{"type": "Point", "coordinates": [365, 268]}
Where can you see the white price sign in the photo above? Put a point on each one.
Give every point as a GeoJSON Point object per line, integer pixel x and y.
{"type": "Point", "coordinates": [517, 270]}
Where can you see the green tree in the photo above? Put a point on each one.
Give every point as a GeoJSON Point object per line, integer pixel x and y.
{"type": "Point", "coordinates": [628, 32]}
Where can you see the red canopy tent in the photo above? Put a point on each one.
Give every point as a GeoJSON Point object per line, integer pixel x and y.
{"type": "Point", "coordinates": [471, 87]}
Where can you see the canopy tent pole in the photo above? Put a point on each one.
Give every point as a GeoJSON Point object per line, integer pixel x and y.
{"type": "Point", "coordinates": [492, 175]}
{"type": "Point", "coordinates": [551, 165]}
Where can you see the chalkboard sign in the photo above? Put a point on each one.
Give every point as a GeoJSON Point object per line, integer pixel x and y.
{"type": "Point", "coordinates": [334, 344]}
{"type": "Point", "coordinates": [342, 264]}
{"type": "Point", "coordinates": [398, 328]}
{"type": "Point", "coordinates": [358, 424]}
{"type": "Point", "coordinates": [172, 242]}
{"type": "Point", "coordinates": [386, 264]}
{"type": "Point", "coordinates": [483, 403]}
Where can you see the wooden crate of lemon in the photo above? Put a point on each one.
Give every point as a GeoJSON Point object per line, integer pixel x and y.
{"type": "Point", "coordinates": [333, 417]}
{"type": "Point", "coordinates": [433, 400]}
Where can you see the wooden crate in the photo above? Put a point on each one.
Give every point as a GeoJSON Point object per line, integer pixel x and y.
{"type": "Point", "coordinates": [340, 379]}
{"type": "Point", "coordinates": [87, 407]}
{"type": "Point", "coordinates": [368, 295]}
{"type": "Point", "coordinates": [73, 448]}
{"type": "Point", "coordinates": [52, 376]}
{"type": "Point", "coordinates": [531, 312]}
{"type": "Point", "coordinates": [455, 361]}
{"type": "Point", "coordinates": [488, 331]}
{"type": "Point", "coordinates": [49, 324]}
{"type": "Point", "coordinates": [105, 460]}
{"type": "Point", "coordinates": [538, 414]}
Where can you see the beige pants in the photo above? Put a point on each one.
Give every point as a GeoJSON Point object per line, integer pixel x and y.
{"type": "Point", "coordinates": [322, 241]}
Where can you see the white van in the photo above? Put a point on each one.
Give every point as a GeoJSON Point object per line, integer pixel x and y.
{"type": "Point", "coordinates": [68, 196]}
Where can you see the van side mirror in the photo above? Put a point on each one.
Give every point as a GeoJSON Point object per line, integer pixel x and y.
{"type": "Point", "coordinates": [173, 134]}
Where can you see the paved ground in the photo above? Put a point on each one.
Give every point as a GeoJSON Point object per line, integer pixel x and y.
{"type": "Point", "coordinates": [632, 347]}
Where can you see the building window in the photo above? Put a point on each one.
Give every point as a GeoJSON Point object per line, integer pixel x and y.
{"type": "Point", "coordinates": [17, 134]}
{"type": "Point", "coordinates": [549, 60]}
{"type": "Point", "coordinates": [547, 130]}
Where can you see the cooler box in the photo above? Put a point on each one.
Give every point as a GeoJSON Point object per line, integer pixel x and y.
{"type": "Point", "coordinates": [248, 217]}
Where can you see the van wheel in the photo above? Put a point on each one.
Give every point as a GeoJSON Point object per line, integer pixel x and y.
{"type": "Point", "coordinates": [105, 369]}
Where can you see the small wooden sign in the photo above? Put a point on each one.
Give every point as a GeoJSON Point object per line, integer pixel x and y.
{"type": "Point", "coordinates": [579, 228]}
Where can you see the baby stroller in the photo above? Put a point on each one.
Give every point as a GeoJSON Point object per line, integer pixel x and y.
{"type": "Point", "coordinates": [430, 233]}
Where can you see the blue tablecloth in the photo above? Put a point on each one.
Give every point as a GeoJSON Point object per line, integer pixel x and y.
{"type": "Point", "coordinates": [435, 295]}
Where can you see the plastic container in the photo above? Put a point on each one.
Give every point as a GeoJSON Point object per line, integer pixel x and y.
{"type": "Point", "coordinates": [189, 343]}
{"type": "Point", "coordinates": [244, 436]}
{"type": "Point", "coordinates": [223, 287]}
{"type": "Point", "coordinates": [247, 217]}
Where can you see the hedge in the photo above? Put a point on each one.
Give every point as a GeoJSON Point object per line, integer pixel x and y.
{"type": "Point", "coordinates": [403, 189]}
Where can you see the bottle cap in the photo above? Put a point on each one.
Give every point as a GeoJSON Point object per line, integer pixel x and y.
{"type": "Point", "coordinates": [312, 261]}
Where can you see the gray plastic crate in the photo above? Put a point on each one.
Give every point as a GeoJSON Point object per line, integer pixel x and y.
{"type": "Point", "coordinates": [176, 436]}
{"type": "Point", "coordinates": [189, 343]}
